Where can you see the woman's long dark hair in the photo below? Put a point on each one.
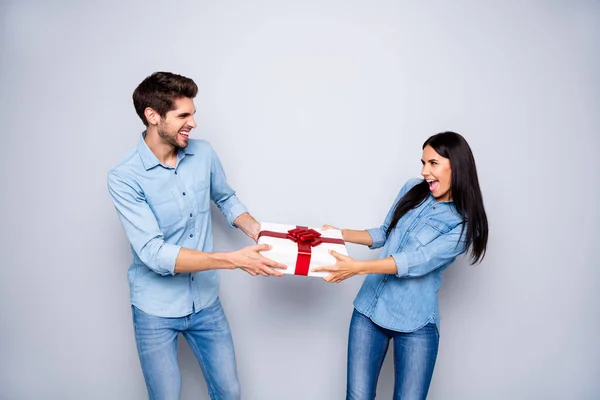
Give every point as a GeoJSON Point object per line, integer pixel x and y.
{"type": "Point", "coordinates": [466, 193]}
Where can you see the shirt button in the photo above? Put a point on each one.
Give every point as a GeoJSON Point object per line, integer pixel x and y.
{"type": "Point", "coordinates": [175, 172]}
{"type": "Point", "coordinates": [190, 215]}
{"type": "Point", "coordinates": [192, 278]}
{"type": "Point", "coordinates": [191, 235]}
{"type": "Point", "coordinates": [183, 193]}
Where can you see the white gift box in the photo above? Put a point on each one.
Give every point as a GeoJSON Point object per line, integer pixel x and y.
{"type": "Point", "coordinates": [297, 254]}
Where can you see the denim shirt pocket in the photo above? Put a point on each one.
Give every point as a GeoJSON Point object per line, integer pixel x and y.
{"type": "Point", "coordinates": [202, 195]}
{"type": "Point", "coordinates": [431, 230]}
{"type": "Point", "coordinates": [165, 209]}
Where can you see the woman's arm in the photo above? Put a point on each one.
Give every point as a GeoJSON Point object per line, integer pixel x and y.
{"type": "Point", "coordinates": [357, 237]}
{"type": "Point", "coordinates": [404, 264]}
{"type": "Point", "coordinates": [353, 236]}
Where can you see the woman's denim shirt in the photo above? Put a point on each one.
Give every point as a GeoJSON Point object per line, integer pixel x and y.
{"type": "Point", "coordinates": [425, 241]}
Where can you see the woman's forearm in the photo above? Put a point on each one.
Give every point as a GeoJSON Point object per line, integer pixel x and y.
{"type": "Point", "coordinates": [381, 266]}
{"type": "Point", "coordinates": [357, 237]}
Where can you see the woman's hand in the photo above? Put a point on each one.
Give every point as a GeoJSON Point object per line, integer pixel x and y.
{"type": "Point", "coordinates": [325, 227]}
{"type": "Point", "coordinates": [344, 268]}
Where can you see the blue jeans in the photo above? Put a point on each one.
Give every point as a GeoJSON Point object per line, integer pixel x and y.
{"type": "Point", "coordinates": [414, 359]}
{"type": "Point", "coordinates": [208, 334]}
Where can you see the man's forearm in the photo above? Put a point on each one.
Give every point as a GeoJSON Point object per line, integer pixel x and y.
{"type": "Point", "coordinates": [248, 225]}
{"type": "Point", "coordinates": [193, 261]}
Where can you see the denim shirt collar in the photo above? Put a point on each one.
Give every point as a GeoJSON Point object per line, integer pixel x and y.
{"type": "Point", "coordinates": [449, 204]}
{"type": "Point", "coordinates": [149, 159]}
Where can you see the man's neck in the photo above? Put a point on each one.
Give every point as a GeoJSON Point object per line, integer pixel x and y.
{"type": "Point", "coordinates": [165, 152]}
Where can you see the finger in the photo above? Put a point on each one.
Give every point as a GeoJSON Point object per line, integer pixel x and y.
{"type": "Point", "coordinates": [259, 247]}
{"type": "Point", "coordinates": [263, 273]}
{"type": "Point", "coordinates": [267, 269]}
{"type": "Point", "coordinates": [326, 226]}
{"type": "Point", "coordinates": [273, 272]}
{"type": "Point", "coordinates": [327, 268]}
{"type": "Point", "coordinates": [338, 256]}
{"type": "Point", "coordinates": [272, 263]}
{"type": "Point", "coordinates": [258, 269]}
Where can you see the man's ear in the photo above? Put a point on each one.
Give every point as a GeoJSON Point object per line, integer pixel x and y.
{"type": "Point", "coordinates": [151, 116]}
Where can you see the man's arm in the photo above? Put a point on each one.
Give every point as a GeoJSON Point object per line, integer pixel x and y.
{"type": "Point", "coordinates": [148, 242]}
{"type": "Point", "coordinates": [248, 225]}
{"type": "Point", "coordinates": [224, 197]}
{"type": "Point", "coordinates": [248, 259]}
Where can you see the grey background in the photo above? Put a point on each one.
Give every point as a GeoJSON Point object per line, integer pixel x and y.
{"type": "Point", "coordinates": [348, 87]}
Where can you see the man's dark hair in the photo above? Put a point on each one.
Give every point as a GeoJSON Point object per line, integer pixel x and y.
{"type": "Point", "coordinates": [159, 90]}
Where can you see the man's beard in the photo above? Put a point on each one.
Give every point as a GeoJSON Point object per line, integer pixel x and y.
{"type": "Point", "coordinates": [170, 138]}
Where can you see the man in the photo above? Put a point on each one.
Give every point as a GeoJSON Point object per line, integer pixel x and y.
{"type": "Point", "coordinates": [162, 192]}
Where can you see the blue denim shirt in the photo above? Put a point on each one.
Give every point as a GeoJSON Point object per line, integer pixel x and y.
{"type": "Point", "coordinates": [425, 241]}
{"type": "Point", "coordinates": [163, 209]}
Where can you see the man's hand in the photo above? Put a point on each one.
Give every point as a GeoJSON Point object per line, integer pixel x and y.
{"type": "Point", "coordinates": [344, 268]}
{"type": "Point", "coordinates": [250, 260]}
{"type": "Point", "coordinates": [248, 225]}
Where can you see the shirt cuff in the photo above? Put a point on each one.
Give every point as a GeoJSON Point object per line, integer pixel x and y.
{"type": "Point", "coordinates": [378, 238]}
{"type": "Point", "coordinates": [166, 259]}
{"type": "Point", "coordinates": [235, 212]}
{"type": "Point", "coordinates": [401, 265]}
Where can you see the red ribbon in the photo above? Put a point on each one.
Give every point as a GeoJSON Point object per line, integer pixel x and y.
{"type": "Point", "coordinates": [306, 240]}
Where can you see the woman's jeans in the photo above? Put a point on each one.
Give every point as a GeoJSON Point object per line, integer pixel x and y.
{"type": "Point", "coordinates": [414, 359]}
{"type": "Point", "coordinates": [208, 334]}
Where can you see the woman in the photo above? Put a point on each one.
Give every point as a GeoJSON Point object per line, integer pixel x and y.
{"type": "Point", "coordinates": [432, 221]}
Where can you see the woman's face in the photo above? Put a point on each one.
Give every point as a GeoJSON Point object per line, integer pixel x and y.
{"type": "Point", "coordinates": [438, 173]}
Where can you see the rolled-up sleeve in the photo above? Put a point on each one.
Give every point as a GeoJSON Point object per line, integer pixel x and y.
{"type": "Point", "coordinates": [141, 226]}
{"type": "Point", "coordinates": [441, 251]}
{"type": "Point", "coordinates": [222, 194]}
{"type": "Point", "coordinates": [379, 234]}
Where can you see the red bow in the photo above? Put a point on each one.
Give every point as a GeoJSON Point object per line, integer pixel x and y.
{"type": "Point", "coordinates": [308, 236]}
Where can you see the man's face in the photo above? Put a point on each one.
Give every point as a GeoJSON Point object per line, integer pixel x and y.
{"type": "Point", "coordinates": [175, 127]}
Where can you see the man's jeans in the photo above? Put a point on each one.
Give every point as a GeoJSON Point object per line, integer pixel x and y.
{"type": "Point", "coordinates": [414, 359]}
{"type": "Point", "coordinates": [209, 336]}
